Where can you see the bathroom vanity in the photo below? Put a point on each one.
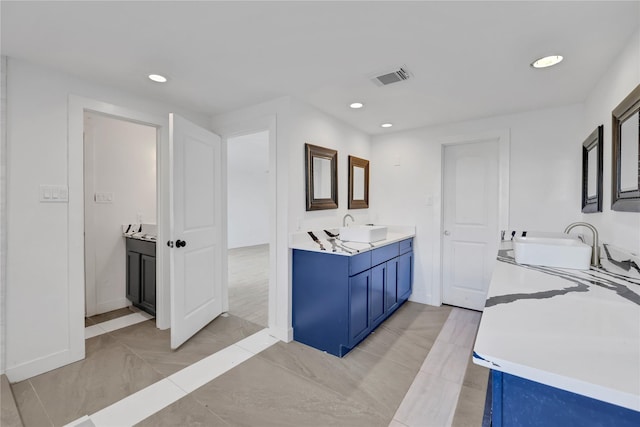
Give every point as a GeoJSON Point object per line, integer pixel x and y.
{"type": "Point", "coordinates": [563, 345]}
{"type": "Point", "coordinates": [141, 269]}
{"type": "Point", "coordinates": [339, 297]}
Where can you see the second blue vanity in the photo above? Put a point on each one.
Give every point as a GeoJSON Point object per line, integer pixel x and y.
{"type": "Point", "coordinates": [339, 299]}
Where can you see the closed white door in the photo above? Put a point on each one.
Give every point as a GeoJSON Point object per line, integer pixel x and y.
{"type": "Point", "coordinates": [196, 235]}
{"type": "Point", "coordinates": [470, 219]}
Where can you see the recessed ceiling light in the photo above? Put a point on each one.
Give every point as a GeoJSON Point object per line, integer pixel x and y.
{"type": "Point", "coordinates": [157, 78]}
{"type": "Point", "coordinates": [547, 61]}
{"type": "Point", "coordinates": [386, 125]}
{"type": "Point", "coordinates": [356, 105]}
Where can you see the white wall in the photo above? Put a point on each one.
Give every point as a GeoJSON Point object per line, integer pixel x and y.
{"type": "Point", "coordinates": [545, 170]}
{"type": "Point", "coordinates": [310, 125]}
{"type": "Point", "coordinates": [38, 239]}
{"type": "Point", "coordinates": [248, 190]}
{"type": "Point", "coordinates": [3, 208]}
{"type": "Point", "coordinates": [618, 228]}
{"type": "Point", "coordinates": [296, 123]}
{"type": "Point", "coordinates": [120, 159]}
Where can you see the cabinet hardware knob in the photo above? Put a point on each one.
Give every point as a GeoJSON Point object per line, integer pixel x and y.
{"type": "Point", "coordinates": [180, 243]}
{"type": "Point", "coordinates": [170, 243]}
{"type": "Point", "coordinates": [446, 232]}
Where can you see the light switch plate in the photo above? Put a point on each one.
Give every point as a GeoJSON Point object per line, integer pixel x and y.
{"type": "Point", "coordinates": [54, 194]}
{"type": "Point", "coordinates": [102, 197]}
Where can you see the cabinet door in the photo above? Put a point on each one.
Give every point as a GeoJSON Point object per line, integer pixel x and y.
{"type": "Point", "coordinates": [359, 306]}
{"type": "Point", "coordinates": [405, 275]}
{"type": "Point", "coordinates": [133, 277]}
{"type": "Point", "coordinates": [378, 280]}
{"type": "Point", "coordinates": [391, 289]}
{"type": "Point", "coordinates": [148, 288]}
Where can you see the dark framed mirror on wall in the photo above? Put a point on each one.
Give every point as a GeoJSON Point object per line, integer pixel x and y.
{"type": "Point", "coordinates": [592, 149]}
{"type": "Point", "coordinates": [358, 183]}
{"type": "Point", "coordinates": [321, 177]}
{"type": "Point", "coordinates": [625, 141]}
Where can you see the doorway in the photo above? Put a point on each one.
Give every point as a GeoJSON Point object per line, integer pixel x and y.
{"type": "Point", "coordinates": [248, 226]}
{"type": "Point", "coordinates": [475, 207]}
{"type": "Point", "coordinates": [120, 187]}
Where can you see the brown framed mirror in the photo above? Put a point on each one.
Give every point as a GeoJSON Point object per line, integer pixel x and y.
{"type": "Point", "coordinates": [592, 149]}
{"type": "Point", "coordinates": [321, 177]}
{"type": "Point", "coordinates": [358, 183]}
{"type": "Point", "coordinates": [625, 141]}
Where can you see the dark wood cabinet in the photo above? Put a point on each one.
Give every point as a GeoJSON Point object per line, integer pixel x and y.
{"type": "Point", "coordinates": [141, 274]}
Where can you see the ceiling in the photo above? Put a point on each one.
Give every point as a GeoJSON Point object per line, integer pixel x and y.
{"type": "Point", "coordinates": [468, 59]}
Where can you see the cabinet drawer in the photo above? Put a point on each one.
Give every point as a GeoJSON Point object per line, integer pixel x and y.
{"type": "Point", "coordinates": [406, 245]}
{"type": "Point", "coordinates": [141, 246]}
{"type": "Point", "coordinates": [383, 254]}
{"type": "Point", "coordinates": [359, 263]}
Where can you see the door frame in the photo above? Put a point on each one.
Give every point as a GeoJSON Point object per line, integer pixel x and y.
{"type": "Point", "coordinates": [76, 264]}
{"type": "Point", "coordinates": [504, 143]}
{"type": "Point", "coordinates": [89, 239]}
{"type": "Point", "coordinates": [268, 123]}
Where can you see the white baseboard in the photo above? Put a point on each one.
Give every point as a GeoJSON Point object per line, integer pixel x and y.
{"type": "Point", "coordinates": [41, 365]}
{"type": "Point", "coordinates": [106, 306]}
{"type": "Point", "coordinates": [283, 334]}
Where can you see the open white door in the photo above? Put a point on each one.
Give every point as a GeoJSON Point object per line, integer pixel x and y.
{"type": "Point", "coordinates": [196, 234]}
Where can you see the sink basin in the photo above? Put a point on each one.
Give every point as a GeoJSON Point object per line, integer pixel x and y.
{"type": "Point", "coordinates": [363, 233]}
{"type": "Point", "coordinates": [552, 252]}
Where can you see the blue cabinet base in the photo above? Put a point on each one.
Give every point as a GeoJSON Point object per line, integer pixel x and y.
{"type": "Point", "coordinates": [339, 300]}
{"type": "Point", "coordinates": [516, 401]}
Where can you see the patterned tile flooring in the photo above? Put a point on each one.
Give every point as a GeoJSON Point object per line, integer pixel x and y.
{"type": "Point", "coordinates": [418, 352]}
{"type": "Point", "coordinates": [414, 370]}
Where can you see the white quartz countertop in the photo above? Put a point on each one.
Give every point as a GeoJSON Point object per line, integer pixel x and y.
{"type": "Point", "coordinates": [146, 232]}
{"type": "Point", "coordinates": [574, 330]}
{"type": "Point", "coordinates": [303, 241]}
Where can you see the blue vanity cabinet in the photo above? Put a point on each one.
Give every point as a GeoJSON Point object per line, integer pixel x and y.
{"type": "Point", "coordinates": [338, 300]}
{"type": "Point", "coordinates": [405, 276]}
{"type": "Point", "coordinates": [391, 288]}
{"type": "Point", "coordinates": [379, 283]}
{"type": "Point", "coordinates": [514, 401]}
{"type": "Point", "coordinates": [359, 318]}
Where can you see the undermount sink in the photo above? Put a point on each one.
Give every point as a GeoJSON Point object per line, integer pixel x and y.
{"type": "Point", "coordinates": [561, 252]}
{"type": "Point", "coordinates": [363, 233]}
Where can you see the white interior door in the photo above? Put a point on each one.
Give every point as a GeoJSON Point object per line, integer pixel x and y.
{"type": "Point", "coordinates": [470, 217]}
{"type": "Point", "coordinates": [196, 212]}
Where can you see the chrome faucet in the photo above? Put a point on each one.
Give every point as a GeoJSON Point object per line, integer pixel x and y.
{"type": "Point", "coordinates": [344, 220]}
{"type": "Point", "coordinates": [595, 250]}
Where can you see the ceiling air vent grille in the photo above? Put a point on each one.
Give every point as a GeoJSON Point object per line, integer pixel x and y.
{"type": "Point", "coordinates": [395, 76]}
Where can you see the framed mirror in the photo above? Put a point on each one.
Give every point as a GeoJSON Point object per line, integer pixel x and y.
{"type": "Point", "coordinates": [592, 149]}
{"type": "Point", "coordinates": [321, 177]}
{"type": "Point", "coordinates": [358, 183]}
{"type": "Point", "coordinates": [625, 194]}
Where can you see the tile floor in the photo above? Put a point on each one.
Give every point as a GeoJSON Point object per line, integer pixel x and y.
{"type": "Point", "coordinates": [249, 283]}
{"type": "Point", "coordinates": [414, 371]}
{"type": "Point", "coordinates": [422, 352]}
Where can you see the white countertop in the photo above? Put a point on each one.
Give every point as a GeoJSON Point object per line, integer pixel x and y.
{"type": "Point", "coordinates": [574, 330]}
{"type": "Point", "coordinates": [145, 232]}
{"type": "Point", "coordinates": [303, 241]}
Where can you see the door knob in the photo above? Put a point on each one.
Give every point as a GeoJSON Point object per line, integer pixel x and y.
{"type": "Point", "coordinates": [180, 243]}
{"type": "Point", "coordinates": [446, 232]}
